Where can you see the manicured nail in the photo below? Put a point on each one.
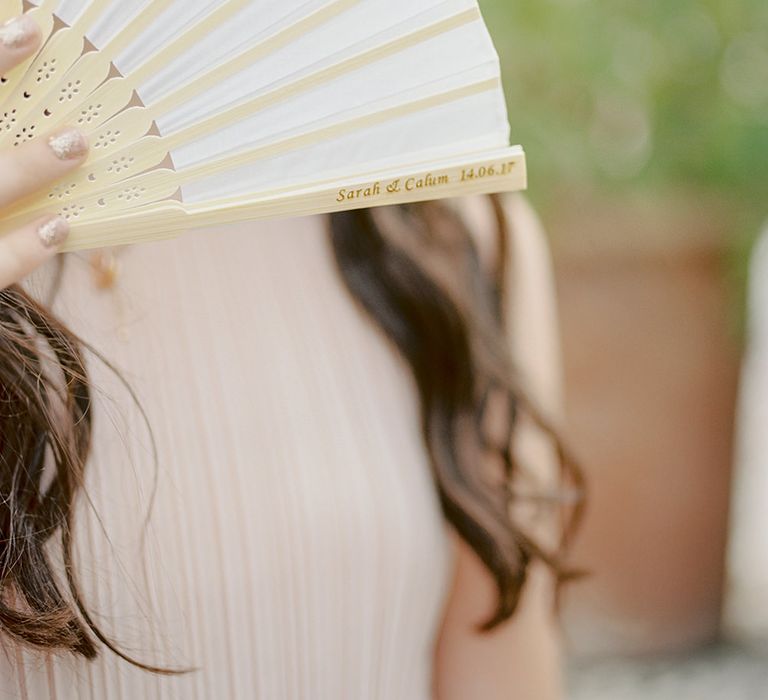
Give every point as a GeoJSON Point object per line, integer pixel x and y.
{"type": "Point", "coordinates": [54, 232]}
{"type": "Point", "coordinates": [69, 144]}
{"type": "Point", "coordinates": [18, 32]}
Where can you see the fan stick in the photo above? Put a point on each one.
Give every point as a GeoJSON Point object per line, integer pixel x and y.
{"type": "Point", "coordinates": [10, 9]}
{"type": "Point", "coordinates": [135, 27]}
{"type": "Point", "coordinates": [272, 43]}
{"type": "Point", "coordinates": [188, 41]}
{"type": "Point", "coordinates": [90, 15]}
{"type": "Point", "coordinates": [503, 172]}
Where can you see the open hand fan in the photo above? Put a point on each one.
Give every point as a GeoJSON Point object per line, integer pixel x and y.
{"type": "Point", "coordinates": [203, 112]}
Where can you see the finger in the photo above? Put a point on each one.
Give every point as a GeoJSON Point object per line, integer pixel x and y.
{"type": "Point", "coordinates": [30, 166]}
{"type": "Point", "coordinates": [19, 39]}
{"type": "Point", "coordinates": [27, 248]}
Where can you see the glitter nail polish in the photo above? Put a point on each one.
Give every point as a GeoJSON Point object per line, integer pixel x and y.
{"type": "Point", "coordinates": [18, 32]}
{"type": "Point", "coordinates": [68, 145]}
{"type": "Point", "coordinates": [53, 232]}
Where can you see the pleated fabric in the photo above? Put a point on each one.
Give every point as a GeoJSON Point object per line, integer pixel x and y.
{"type": "Point", "coordinates": [290, 543]}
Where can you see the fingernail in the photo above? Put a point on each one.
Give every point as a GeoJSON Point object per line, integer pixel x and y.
{"type": "Point", "coordinates": [68, 145]}
{"type": "Point", "coordinates": [17, 32]}
{"type": "Point", "coordinates": [54, 232]}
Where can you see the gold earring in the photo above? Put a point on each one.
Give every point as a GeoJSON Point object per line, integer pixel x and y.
{"type": "Point", "coordinates": [104, 268]}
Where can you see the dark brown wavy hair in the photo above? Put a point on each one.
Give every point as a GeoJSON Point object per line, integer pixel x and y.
{"type": "Point", "coordinates": [417, 273]}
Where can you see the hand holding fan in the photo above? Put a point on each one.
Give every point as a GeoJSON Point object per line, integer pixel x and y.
{"type": "Point", "coordinates": [203, 112]}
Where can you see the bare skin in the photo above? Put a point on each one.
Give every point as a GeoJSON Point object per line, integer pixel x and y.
{"type": "Point", "coordinates": [30, 167]}
{"type": "Point", "coordinates": [520, 660]}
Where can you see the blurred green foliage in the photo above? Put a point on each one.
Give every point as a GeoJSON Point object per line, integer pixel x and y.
{"type": "Point", "coordinates": [639, 94]}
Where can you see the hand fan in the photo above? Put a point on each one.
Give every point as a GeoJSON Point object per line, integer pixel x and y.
{"type": "Point", "coordinates": [205, 112]}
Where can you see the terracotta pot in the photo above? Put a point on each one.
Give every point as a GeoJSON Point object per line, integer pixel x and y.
{"type": "Point", "coordinates": [651, 365]}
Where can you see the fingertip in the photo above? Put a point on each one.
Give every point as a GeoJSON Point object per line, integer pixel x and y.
{"type": "Point", "coordinates": [40, 162]}
{"type": "Point", "coordinates": [25, 249]}
{"type": "Point", "coordinates": [69, 144]}
{"type": "Point", "coordinates": [20, 36]}
{"type": "Point", "coordinates": [52, 231]}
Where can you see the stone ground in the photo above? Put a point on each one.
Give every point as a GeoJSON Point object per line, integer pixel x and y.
{"type": "Point", "coordinates": [721, 672]}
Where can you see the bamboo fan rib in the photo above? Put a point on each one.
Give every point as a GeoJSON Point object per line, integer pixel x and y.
{"type": "Point", "coordinates": [202, 112]}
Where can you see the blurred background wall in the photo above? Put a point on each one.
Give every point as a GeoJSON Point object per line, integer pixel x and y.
{"type": "Point", "coordinates": [646, 128]}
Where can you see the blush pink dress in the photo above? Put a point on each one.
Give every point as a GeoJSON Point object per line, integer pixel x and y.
{"type": "Point", "coordinates": [295, 548]}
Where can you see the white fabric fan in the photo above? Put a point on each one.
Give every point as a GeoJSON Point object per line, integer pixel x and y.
{"type": "Point", "coordinates": [203, 112]}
